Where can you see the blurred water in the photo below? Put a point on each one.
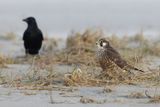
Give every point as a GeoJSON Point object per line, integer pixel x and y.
{"type": "Point", "coordinates": [62, 16]}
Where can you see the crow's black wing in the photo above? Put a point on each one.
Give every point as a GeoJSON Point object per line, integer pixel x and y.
{"type": "Point", "coordinates": [26, 40]}
{"type": "Point", "coordinates": [40, 34]}
{"type": "Point", "coordinates": [38, 38]}
{"type": "Point", "coordinates": [26, 35]}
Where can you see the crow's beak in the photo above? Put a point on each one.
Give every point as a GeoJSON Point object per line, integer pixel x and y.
{"type": "Point", "coordinates": [25, 20]}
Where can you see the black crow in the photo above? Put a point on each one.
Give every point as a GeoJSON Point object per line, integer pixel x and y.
{"type": "Point", "coordinates": [32, 37]}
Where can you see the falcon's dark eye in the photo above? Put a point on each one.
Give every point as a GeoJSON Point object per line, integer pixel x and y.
{"type": "Point", "coordinates": [101, 43]}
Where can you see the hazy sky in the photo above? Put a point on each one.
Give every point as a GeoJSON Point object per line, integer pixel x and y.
{"type": "Point", "coordinates": [62, 16]}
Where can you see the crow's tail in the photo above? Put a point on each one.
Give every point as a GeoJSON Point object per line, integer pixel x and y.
{"type": "Point", "coordinates": [33, 51]}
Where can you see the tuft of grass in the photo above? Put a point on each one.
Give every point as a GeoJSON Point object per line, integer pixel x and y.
{"type": "Point", "coordinates": [80, 48]}
{"type": "Point", "coordinates": [8, 36]}
{"type": "Point", "coordinates": [86, 100]}
{"type": "Point", "coordinates": [80, 77]}
{"type": "Point", "coordinates": [84, 39]}
{"type": "Point", "coordinates": [4, 60]}
{"type": "Point", "coordinates": [107, 90]}
{"type": "Point", "coordinates": [50, 44]}
{"type": "Point", "coordinates": [76, 78]}
{"type": "Point", "coordinates": [136, 95]}
{"type": "Point", "coordinates": [155, 99]}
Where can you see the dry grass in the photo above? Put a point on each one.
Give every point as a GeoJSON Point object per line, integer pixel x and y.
{"type": "Point", "coordinates": [4, 60]}
{"type": "Point", "coordinates": [42, 77]}
{"type": "Point", "coordinates": [79, 78]}
{"type": "Point", "coordinates": [84, 39]}
{"type": "Point", "coordinates": [136, 95]}
{"type": "Point", "coordinates": [151, 78]}
{"type": "Point", "coordinates": [86, 100]}
{"type": "Point", "coordinates": [80, 47]}
{"type": "Point", "coordinates": [49, 44]}
{"type": "Point", "coordinates": [155, 99]}
{"type": "Point", "coordinates": [39, 76]}
{"type": "Point", "coordinates": [80, 50]}
{"type": "Point", "coordinates": [8, 36]}
{"type": "Point", "coordinates": [107, 89]}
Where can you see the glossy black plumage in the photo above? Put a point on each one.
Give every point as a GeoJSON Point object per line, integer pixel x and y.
{"type": "Point", "coordinates": [32, 37]}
